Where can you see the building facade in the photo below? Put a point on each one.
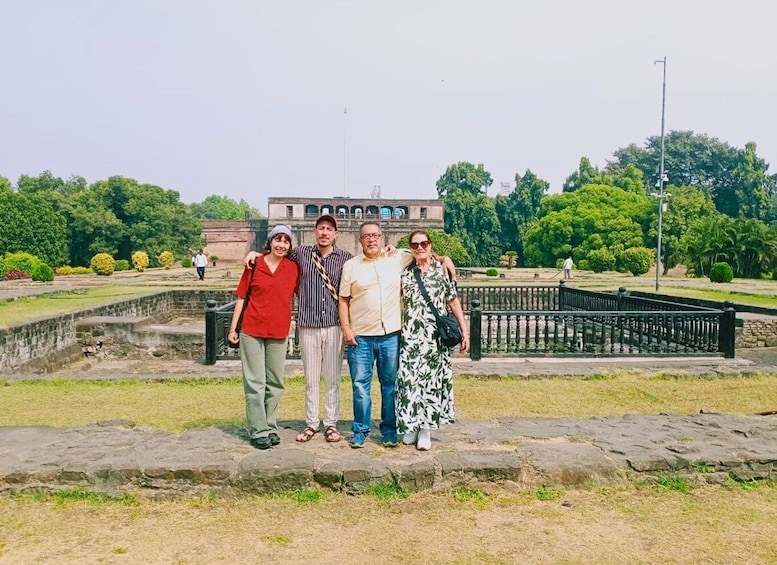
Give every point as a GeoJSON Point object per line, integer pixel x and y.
{"type": "Point", "coordinates": [396, 217]}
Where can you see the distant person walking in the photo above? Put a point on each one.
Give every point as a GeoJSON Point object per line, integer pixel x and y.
{"type": "Point", "coordinates": [568, 263]}
{"type": "Point", "coordinates": [200, 261]}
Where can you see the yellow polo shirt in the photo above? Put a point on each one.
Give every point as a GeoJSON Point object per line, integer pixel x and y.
{"type": "Point", "coordinates": [373, 287]}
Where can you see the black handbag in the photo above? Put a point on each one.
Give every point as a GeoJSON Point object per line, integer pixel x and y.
{"type": "Point", "coordinates": [448, 329]}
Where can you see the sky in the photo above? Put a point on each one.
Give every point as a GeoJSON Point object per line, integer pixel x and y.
{"type": "Point", "coordinates": [247, 98]}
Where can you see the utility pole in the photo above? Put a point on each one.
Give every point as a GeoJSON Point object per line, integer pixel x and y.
{"type": "Point", "coordinates": [661, 175]}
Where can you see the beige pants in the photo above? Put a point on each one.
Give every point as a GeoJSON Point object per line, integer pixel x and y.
{"type": "Point", "coordinates": [322, 354]}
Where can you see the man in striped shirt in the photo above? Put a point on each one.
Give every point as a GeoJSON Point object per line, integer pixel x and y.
{"type": "Point", "coordinates": [318, 323]}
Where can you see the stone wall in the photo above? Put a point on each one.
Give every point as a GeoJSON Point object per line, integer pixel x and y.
{"type": "Point", "coordinates": [757, 333]}
{"type": "Point", "coordinates": [41, 344]}
{"type": "Point", "coordinates": [227, 240]}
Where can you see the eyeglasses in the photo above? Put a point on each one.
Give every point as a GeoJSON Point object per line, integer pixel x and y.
{"type": "Point", "coordinates": [369, 236]}
{"type": "Point", "coordinates": [422, 244]}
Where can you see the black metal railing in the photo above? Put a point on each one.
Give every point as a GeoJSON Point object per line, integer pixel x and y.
{"type": "Point", "coordinates": [218, 348]}
{"type": "Point", "coordinates": [600, 333]}
{"type": "Point", "coordinates": [554, 320]}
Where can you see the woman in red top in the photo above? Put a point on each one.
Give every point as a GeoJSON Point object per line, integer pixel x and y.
{"type": "Point", "coordinates": [264, 330]}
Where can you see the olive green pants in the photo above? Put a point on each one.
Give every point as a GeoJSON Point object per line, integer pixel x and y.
{"type": "Point", "coordinates": [263, 361]}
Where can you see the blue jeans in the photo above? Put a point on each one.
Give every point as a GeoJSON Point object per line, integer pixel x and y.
{"type": "Point", "coordinates": [382, 351]}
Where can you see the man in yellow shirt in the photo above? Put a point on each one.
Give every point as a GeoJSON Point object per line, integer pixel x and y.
{"type": "Point", "coordinates": [370, 318]}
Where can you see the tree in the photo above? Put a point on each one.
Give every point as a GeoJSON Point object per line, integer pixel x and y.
{"type": "Point", "coordinates": [469, 213]}
{"type": "Point", "coordinates": [28, 223]}
{"type": "Point", "coordinates": [216, 207]}
{"type": "Point", "coordinates": [585, 174]}
{"type": "Point", "coordinates": [518, 208]}
{"type": "Point", "coordinates": [5, 185]}
{"type": "Point", "coordinates": [685, 205]}
{"type": "Point", "coordinates": [444, 244]}
{"type": "Point", "coordinates": [592, 217]}
{"type": "Point", "coordinates": [735, 179]}
{"type": "Point", "coordinates": [466, 177]}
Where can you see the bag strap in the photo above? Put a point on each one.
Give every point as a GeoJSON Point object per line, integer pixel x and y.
{"type": "Point", "coordinates": [422, 288]}
{"type": "Point", "coordinates": [322, 273]}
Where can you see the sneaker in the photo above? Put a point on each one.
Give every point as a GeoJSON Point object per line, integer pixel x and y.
{"type": "Point", "coordinates": [410, 438]}
{"type": "Point", "coordinates": [390, 440]}
{"type": "Point", "coordinates": [261, 442]}
{"type": "Point", "coordinates": [358, 440]}
{"type": "Point", "coordinates": [424, 440]}
{"type": "Point", "coordinates": [275, 439]}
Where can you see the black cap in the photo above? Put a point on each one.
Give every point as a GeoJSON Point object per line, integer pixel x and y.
{"type": "Point", "coordinates": [327, 218]}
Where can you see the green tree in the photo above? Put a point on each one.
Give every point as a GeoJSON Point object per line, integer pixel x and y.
{"type": "Point", "coordinates": [444, 244]}
{"type": "Point", "coordinates": [469, 213]}
{"type": "Point", "coordinates": [685, 205]}
{"type": "Point", "coordinates": [585, 174]}
{"type": "Point", "coordinates": [592, 217]}
{"type": "Point", "coordinates": [735, 179]}
{"type": "Point", "coordinates": [5, 185]}
{"type": "Point", "coordinates": [518, 208]}
{"type": "Point", "coordinates": [216, 207]}
{"type": "Point", "coordinates": [28, 223]}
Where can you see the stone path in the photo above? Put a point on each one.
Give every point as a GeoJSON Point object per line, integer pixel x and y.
{"type": "Point", "coordinates": [116, 457]}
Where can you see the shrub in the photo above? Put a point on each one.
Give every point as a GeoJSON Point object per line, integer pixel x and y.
{"type": "Point", "coordinates": [103, 264]}
{"type": "Point", "coordinates": [166, 259]}
{"type": "Point", "coordinates": [24, 262]}
{"type": "Point", "coordinates": [214, 258]}
{"type": "Point", "coordinates": [2, 267]}
{"type": "Point", "coordinates": [16, 275]}
{"type": "Point", "coordinates": [600, 260]}
{"type": "Point", "coordinates": [637, 260]}
{"type": "Point", "coordinates": [42, 273]}
{"type": "Point", "coordinates": [186, 262]}
{"type": "Point", "coordinates": [68, 270]}
{"type": "Point", "coordinates": [721, 273]}
{"type": "Point", "coordinates": [140, 260]}
{"type": "Point", "coordinates": [122, 265]}
{"type": "Point", "coordinates": [491, 272]}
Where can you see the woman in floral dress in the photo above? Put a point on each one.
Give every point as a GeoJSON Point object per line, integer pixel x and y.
{"type": "Point", "coordinates": [425, 378]}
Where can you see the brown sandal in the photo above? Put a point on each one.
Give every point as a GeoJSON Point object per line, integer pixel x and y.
{"type": "Point", "coordinates": [306, 434]}
{"type": "Point", "coordinates": [332, 435]}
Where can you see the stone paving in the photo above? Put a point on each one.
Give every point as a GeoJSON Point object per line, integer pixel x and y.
{"type": "Point", "coordinates": [117, 456]}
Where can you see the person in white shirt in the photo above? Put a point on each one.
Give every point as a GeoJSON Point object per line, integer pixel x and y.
{"type": "Point", "coordinates": [200, 261]}
{"type": "Point", "coordinates": [568, 267]}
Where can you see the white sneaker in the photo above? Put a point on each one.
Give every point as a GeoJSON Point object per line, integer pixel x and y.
{"type": "Point", "coordinates": [410, 438]}
{"type": "Point", "coordinates": [424, 440]}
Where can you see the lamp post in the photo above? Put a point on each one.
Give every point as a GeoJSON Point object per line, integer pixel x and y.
{"type": "Point", "coordinates": [662, 178]}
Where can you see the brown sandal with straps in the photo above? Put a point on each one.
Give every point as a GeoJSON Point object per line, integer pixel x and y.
{"type": "Point", "coordinates": [332, 435]}
{"type": "Point", "coordinates": [306, 434]}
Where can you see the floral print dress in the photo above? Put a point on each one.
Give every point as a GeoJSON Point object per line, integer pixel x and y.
{"type": "Point", "coordinates": [425, 377]}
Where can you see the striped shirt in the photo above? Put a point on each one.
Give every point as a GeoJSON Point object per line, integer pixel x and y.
{"type": "Point", "coordinates": [317, 308]}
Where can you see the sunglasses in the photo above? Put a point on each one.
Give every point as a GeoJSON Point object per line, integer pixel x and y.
{"type": "Point", "coordinates": [421, 244]}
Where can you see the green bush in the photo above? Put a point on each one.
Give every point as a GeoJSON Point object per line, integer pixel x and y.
{"type": "Point", "coordinates": [491, 272]}
{"type": "Point", "coordinates": [122, 265]}
{"type": "Point", "coordinates": [68, 270]}
{"type": "Point", "coordinates": [186, 262]}
{"type": "Point", "coordinates": [2, 267]}
{"type": "Point", "coordinates": [42, 273]}
{"type": "Point", "coordinates": [103, 264]}
{"type": "Point", "coordinates": [166, 259]}
{"type": "Point", "coordinates": [601, 260]}
{"type": "Point", "coordinates": [637, 260]}
{"type": "Point", "coordinates": [24, 262]}
{"type": "Point", "coordinates": [721, 273]}
{"type": "Point", "coordinates": [140, 260]}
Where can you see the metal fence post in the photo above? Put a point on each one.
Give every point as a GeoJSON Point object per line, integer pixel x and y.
{"type": "Point", "coordinates": [210, 333]}
{"type": "Point", "coordinates": [727, 335]}
{"type": "Point", "coordinates": [475, 316]}
{"type": "Point", "coordinates": [561, 288]}
{"type": "Point", "coordinates": [619, 297]}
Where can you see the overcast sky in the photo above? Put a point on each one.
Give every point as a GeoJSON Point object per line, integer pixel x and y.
{"type": "Point", "coordinates": [246, 98]}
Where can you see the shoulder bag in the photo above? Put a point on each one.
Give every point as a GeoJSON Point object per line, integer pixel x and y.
{"type": "Point", "coordinates": [448, 329]}
{"type": "Point", "coordinates": [236, 344]}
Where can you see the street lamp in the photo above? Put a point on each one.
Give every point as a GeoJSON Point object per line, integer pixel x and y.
{"type": "Point", "coordinates": [662, 178]}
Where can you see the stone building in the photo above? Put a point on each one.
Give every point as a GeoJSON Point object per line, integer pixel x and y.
{"type": "Point", "coordinates": [397, 217]}
{"type": "Point", "coordinates": [230, 241]}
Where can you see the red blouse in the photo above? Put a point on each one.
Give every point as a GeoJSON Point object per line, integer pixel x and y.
{"type": "Point", "coordinates": [268, 312]}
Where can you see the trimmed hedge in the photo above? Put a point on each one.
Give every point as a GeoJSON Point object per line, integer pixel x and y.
{"type": "Point", "coordinates": [721, 273]}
